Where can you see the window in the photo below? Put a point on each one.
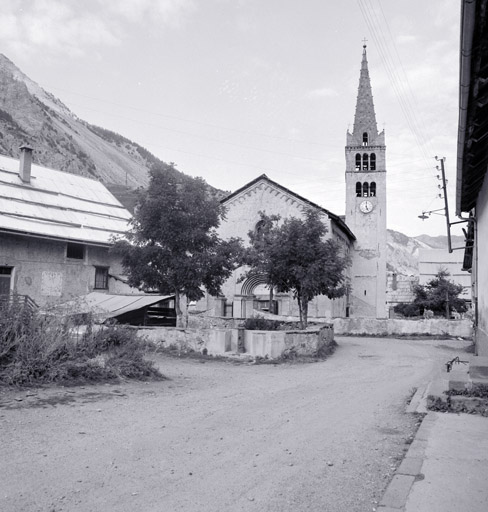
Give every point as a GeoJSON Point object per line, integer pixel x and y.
{"type": "Point", "coordinates": [372, 161]}
{"type": "Point", "coordinates": [358, 162]}
{"type": "Point", "coordinates": [359, 189]}
{"type": "Point", "coordinates": [365, 139]}
{"type": "Point", "coordinates": [75, 251]}
{"type": "Point", "coordinates": [5, 279]}
{"type": "Point", "coordinates": [101, 278]}
{"type": "Point", "coordinates": [372, 189]}
{"type": "Point", "coordinates": [365, 162]}
{"type": "Point", "coordinates": [365, 190]}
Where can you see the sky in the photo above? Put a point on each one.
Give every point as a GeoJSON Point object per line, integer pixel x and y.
{"type": "Point", "coordinates": [231, 89]}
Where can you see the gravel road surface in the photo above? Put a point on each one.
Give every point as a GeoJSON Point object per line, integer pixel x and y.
{"type": "Point", "coordinates": [218, 436]}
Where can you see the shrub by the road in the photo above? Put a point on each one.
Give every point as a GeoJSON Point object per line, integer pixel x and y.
{"type": "Point", "coordinates": [37, 349]}
{"type": "Point", "coordinates": [261, 324]}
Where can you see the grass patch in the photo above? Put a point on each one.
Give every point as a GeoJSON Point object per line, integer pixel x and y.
{"type": "Point", "coordinates": [38, 349]}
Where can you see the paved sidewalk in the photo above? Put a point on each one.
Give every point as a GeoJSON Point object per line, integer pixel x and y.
{"type": "Point", "coordinates": [445, 469]}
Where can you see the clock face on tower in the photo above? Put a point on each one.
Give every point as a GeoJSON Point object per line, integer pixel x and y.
{"type": "Point", "coordinates": [366, 206]}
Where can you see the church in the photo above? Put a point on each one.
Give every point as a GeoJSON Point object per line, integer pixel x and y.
{"type": "Point", "coordinates": [361, 232]}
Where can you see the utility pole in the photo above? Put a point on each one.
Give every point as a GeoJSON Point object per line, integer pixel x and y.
{"type": "Point", "coordinates": [448, 313]}
{"type": "Point", "coordinates": [444, 188]}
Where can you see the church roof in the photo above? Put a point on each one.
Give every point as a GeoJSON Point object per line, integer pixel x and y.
{"type": "Point", "coordinates": [365, 117]}
{"type": "Point", "coordinates": [336, 218]}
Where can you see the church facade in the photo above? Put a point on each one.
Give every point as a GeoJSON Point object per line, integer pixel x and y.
{"type": "Point", "coordinates": [241, 298]}
{"type": "Point", "coordinates": [361, 232]}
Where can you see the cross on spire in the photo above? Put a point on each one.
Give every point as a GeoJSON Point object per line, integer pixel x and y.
{"type": "Point", "coordinates": [364, 42]}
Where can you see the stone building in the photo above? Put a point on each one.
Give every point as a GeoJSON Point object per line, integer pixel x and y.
{"type": "Point", "coordinates": [362, 231]}
{"type": "Point", "coordinates": [431, 261]}
{"type": "Point", "coordinates": [240, 299]}
{"type": "Point", "coordinates": [366, 204]}
{"type": "Point", "coordinates": [55, 231]}
{"type": "Point", "coordinates": [472, 158]}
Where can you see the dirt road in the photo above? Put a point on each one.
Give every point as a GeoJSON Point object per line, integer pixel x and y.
{"type": "Point", "coordinates": [218, 436]}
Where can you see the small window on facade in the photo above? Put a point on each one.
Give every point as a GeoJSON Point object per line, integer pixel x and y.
{"type": "Point", "coordinates": [101, 278]}
{"type": "Point", "coordinates": [372, 189]}
{"type": "Point", "coordinates": [365, 139]}
{"type": "Point", "coordinates": [358, 162]}
{"type": "Point", "coordinates": [365, 190]}
{"type": "Point", "coordinates": [364, 292]}
{"type": "Point", "coordinates": [5, 280]}
{"type": "Point", "coordinates": [75, 251]}
{"type": "Point", "coordinates": [359, 189]}
{"type": "Point", "coordinates": [372, 162]}
{"type": "Point", "coordinates": [365, 162]}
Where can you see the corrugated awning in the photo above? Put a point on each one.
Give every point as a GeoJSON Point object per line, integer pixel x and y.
{"type": "Point", "coordinates": [104, 306]}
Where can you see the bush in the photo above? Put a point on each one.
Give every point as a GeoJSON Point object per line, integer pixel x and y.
{"type": "Point", "coordinates": [37, 348]}
{"type": "Point", "coordinates": [407, 310]}
{"type": "Point", "coordinates": [261, 324]}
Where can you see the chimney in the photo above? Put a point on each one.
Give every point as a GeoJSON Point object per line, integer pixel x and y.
{"type": "Point", "coordinates": [25, 163]}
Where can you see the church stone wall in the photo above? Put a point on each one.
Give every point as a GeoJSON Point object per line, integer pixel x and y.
{"type": "Point", "coordinates": [241, 217]}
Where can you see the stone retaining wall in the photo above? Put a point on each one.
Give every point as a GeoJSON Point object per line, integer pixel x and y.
{"type": "Point", "coordinates": [390, 327]}
{"type": "Point", "coordinates": [202, 321]}
{"type": "Point", "coordinates": [270, 344]}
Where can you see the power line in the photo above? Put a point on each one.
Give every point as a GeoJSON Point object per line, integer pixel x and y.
{"type": "Point", "coordinates": [369, 14]}
{"type": "Point", "coordinates": [194, 121]}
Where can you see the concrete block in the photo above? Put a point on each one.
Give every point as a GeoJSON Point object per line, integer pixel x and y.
{"type": "Point", "coordinates": [418, 401]}
{"type": "Point", "coordinates": [397, 492]}
{"type": "Point", "coordinates": [219, 342]}
{"type": "Point", "coordinates": [478, 368]}
{"type": "Point", "coordinates": [410, 466]}
{"type": "Point", "coordinates": [437, 388]}
{"type": "Point", "coordinates": [459, 381]}
{"type": "Point", "coordinates": [417, 449]}
{"type": "Point", "coordinates": [424, 431]}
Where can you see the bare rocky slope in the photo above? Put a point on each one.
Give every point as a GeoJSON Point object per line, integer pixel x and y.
{"type": "Point", "coordinates": [30, 115]}
{"type": "Point", "coordinates": [403, 251]}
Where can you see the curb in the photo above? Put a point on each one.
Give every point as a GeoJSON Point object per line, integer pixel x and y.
{"type": "Point", "coordinates": [396, 494]}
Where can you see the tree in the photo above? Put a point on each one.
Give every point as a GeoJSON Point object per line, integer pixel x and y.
{"type": "Point", "coordinates": [295, 257]}
{"type": "Point", "coordinates": [172, 245]}
{"type": "Point", "coordinates": [440, 295]}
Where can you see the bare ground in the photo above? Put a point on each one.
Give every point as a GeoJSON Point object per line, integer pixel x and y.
{"type": "Point", "coordinates": [218, 436]}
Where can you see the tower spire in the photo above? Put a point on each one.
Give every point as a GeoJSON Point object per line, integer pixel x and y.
{"type": "Point", "coordinates": [364, 117]}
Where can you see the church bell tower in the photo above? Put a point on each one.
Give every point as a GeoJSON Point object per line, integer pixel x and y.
{"type": "Point", "coordinates": [366, 204]}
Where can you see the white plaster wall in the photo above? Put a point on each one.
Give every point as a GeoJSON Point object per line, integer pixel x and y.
{"type": "Point", "coordinates": [480, 265]}
{"type": "Point", "coordinates": [33, 258]}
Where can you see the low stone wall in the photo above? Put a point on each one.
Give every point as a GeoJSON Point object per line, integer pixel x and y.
{"type": "Point", "coordinates": [391, 327]}
{"type": "Point", "coordinates": [201, 321]}
{"type": "Point", "coordinates": [270, 344]}
{"type": "Point", "coordinates": [216, 341]}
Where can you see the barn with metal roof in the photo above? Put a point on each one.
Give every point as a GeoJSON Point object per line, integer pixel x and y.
{"type": "Point", "coordinates": [55, 233]}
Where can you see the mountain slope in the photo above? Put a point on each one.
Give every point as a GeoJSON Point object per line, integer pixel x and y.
{"type": "Point", "coordinates": [30, 115]}
{"type": "Point", "coordinates": [403, 251]}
